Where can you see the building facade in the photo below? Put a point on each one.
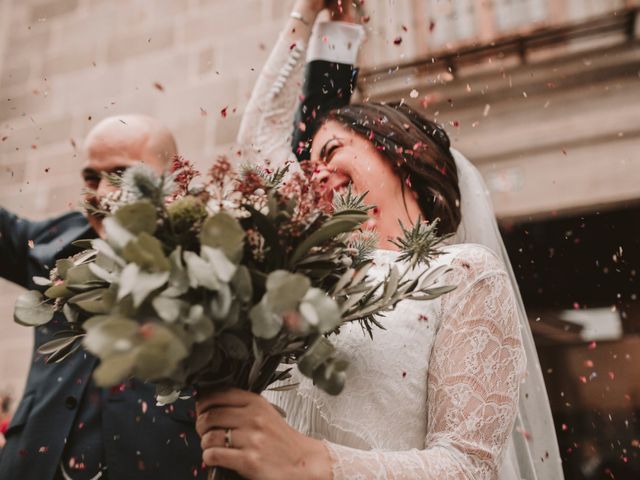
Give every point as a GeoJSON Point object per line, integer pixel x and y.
{"type": "Point", "coordinates": [542, 95]}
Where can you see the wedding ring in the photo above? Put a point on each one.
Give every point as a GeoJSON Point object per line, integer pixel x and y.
{"type": "Point", "coordinates": [227, 438]}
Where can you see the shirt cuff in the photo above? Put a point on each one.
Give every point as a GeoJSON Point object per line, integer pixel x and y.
{"type": "Point", "coordinates": [337, 42]}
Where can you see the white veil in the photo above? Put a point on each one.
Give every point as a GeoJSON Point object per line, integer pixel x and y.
{"type": "Point", "coordinates": [533, 452]}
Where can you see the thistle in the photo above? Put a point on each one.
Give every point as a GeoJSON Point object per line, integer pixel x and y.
{"type": "Point", "coordinates": [417, 244]}
{"type": "Point", "coordinates": [270, 178]}
{"type": "Point", "coordinates": [363, 243]}
{"type": "Point", "coordinates": [140, 181]}
{"type": "Point", "coordinates": [346, 201]}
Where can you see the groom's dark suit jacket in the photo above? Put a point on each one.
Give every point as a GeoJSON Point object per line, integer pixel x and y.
{"type": "Point", "coordinates": [61, 407]}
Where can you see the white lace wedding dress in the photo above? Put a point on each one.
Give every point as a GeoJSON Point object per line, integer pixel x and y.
{"type": "Point", "coordinates": [436, 394]}
{"type": "Point", "coordinates": [433, 396]}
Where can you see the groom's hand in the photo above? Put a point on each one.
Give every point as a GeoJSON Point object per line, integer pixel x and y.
{"type": "Point", "coordinates": [241, 431]}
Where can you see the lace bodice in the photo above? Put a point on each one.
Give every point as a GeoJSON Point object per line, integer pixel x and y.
{"type": "Point", "coordinates": [432, 396]}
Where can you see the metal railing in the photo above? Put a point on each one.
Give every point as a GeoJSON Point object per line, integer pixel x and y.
{"type": "Point", "coordinates": [522, 39]}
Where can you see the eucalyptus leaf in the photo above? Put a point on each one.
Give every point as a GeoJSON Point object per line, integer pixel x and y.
{"type": "Point", "coordinates": [59, 290]}
{"type": "Point", "coordinates": [41, 281]}
{"type": "Point", "coordinates": [221, 302]}
{"type": "Point", "coordinates": [200, 272]}
{"type": "Point", "coordinates": [109, 334]}
{"type": "Point", "coordinates": [114, 369]}
{"type": "Point", "coordinates": [31, 309]}
{"type": "Point", "coordinates": [57, 343]}
{"type": "Point", "coordinates": [138, 217]}
{"type": "Point", "coordinates": [178, 279]}
{"type": "Point", "coordinates": [70, 313]}
{"type": "Point", "coordinates": [223, 232]}
{"type": "Point", "coordinates": [163, 399]}
{"type": "Point", "coordinates": [79, 276]}
{"type": "Point", "coordinates": [146, 251]}
{"type": "Point", "coordinates": [117, 236]}
{"type": "Point", "coordinates": [93, 301]}
{"type": "Point", "coordinates": [318, 353]}
{"type": "Point", "coordinates": [264, 323]}
{"type": "Point", "coordinates": [107, 251]}
{"type": "Point", "coordinates": [60, 355]}
{"type": "Point", "coordinates": [223, 268]}
{"type": "Point", "coordinates": [102, 273]}
{"type": "Point", "coordinates": [320, 310]}
{"type": "Point", "coordinates": [331, 376]}
{"type": "Point", "coordinates": [200, 325]}
{"type": "Point", "coordinates": [83, 243]}
{"type": "Point", "coordinates": [433, 275]}
{"type": "Point", "coordinates": [285, 290]}
{"type": "Point", "coordinates": [168, 309]}
{"type": "Point", "coordinates": [159, 354]}
{"type": "Point", "coordinates": [147, 283]}
{"type": "Point", "coordinates": [63, 265]}
{"type": "Point", "coordinates": [128, 279]}
{"type": "Point", "coordinates": [242, 285]}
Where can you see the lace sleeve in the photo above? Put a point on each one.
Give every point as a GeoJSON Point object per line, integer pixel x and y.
{"type": "Point", "coordinates": [267, 123]}
{"type": "Point", "coordinates": [475, 369]}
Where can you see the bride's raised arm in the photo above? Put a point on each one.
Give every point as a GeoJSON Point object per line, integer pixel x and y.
{"type": "Point", "coordinates": [267, 126]}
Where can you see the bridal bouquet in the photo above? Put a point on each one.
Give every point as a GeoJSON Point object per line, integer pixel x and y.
{"type": "Point", "coordinates": [216, 281]}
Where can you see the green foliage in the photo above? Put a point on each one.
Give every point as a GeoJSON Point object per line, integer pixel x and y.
{"type": "Point", "coordinates": [32, 309]}
{"type": "Point", "coordinates": [224, 232]}
{"type": "Point", "coordinates": [185, 215]}
{"type": "Point", "coordinates": [417, 245]}
{"type": "Point", "coordinates": [138, 217]}
{"type": "Point", "coordinates": [218, 291]}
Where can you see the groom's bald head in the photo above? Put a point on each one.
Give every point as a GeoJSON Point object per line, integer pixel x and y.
{"type": "Point", "coordinates": [119, 142]}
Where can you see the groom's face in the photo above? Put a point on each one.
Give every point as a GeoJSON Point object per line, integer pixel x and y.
{"type": "Point", "coordinates": [109, 149]}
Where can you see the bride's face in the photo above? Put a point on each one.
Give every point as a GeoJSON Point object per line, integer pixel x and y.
{"type": "Point", "coordinates": [344, 158]}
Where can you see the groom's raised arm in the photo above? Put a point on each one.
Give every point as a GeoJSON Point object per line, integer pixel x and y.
{"type": "Point", "coordinates": [15, 234]}
{"type": "Point", "coordinates": [329, 79]}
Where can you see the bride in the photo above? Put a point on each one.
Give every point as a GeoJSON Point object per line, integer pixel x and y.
{"type": "Point", "coordinates": [452, 388]}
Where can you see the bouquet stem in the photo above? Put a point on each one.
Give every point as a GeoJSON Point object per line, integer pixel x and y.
{"type": "Point", "coordinates": [217, 473]}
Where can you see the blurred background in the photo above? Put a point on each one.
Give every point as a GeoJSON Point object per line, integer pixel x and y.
{"type": "Point", "coordinates": [542, 95]}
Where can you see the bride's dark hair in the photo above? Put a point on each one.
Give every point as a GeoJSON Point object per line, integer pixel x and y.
{"type": "Point", "coordinates": [418, 150]}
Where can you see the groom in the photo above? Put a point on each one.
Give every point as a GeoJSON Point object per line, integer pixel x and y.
{"type": "Point", "coordinates": [65, 426]}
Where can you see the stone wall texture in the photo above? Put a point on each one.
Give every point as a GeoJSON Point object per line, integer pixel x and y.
{"type": "Point", "coordinates": [66, 64]}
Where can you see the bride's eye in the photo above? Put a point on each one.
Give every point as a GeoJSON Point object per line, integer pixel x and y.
{"type": "Point", "coordinates": [328, 150]}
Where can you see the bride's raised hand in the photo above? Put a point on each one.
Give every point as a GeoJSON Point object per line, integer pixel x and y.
{"type": "Point", "coordinates": [241, 431]}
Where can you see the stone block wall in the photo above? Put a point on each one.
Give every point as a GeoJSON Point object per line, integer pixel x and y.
{"type": "Point", "coordinates": [66, 64]}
